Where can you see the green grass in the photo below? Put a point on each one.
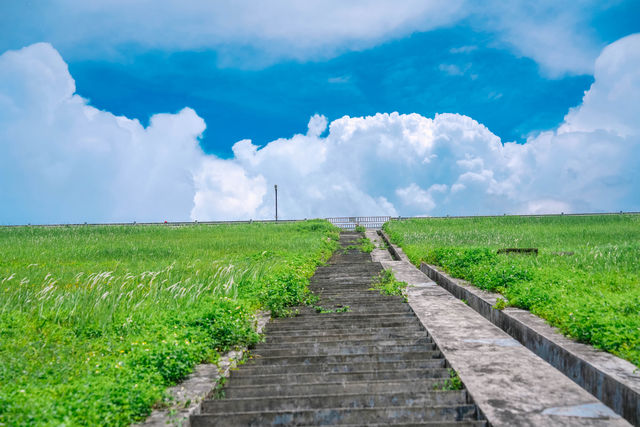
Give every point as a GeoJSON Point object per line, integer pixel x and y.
{"type": "Point", "coordinates": [96, 322]}
{"type": "Point", "coordinates": [585, 279]}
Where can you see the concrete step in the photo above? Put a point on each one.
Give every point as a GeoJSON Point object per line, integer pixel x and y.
{"type": "Point", "coordinates": [338, 416]}
{"type": "Point", "coordinates": [341, 350]}
{"type": "Point", "coordinates": [358, 297]}
{"type": "Point", "coordinates": [323, 318]}
{"type": "Point", "coordinates": [248, 370]}
{"type": "Point", "coordinates": [366, 290]}
{"type": "Point", "coordinates": [354, 309]}
{"type": "Point", "coordinates": [364, 302]}
{"type": "Point", "coordinates": [370, 400]}
{"type": "Point", "coordinates": [465, 423]}
{"type": "Point", "coordinates": [344, 324]}
{"type": "Point", "coordinates": [340, 271]}
{"type": "Point", "coordinates": [417, 329]}
{"type": "Point", "coordinates": [343, 259]}
{"type": "Point", "coordinates": [352, 282]}
{"type": "Point", "coordinates": [330, 377]}
{"type": "Point", "coordinates": [374, 357]}
{"type": "Point", "coordinates": [324, 336]}
{"type": "Point", "coordinates": [336, 388]}
{"type": "Point", "coordinates": [342, 342]}
{"type": "Point", "coordinates": [372, 365]}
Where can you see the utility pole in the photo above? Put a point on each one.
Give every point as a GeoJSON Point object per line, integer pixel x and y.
{"type": "Point", "coordinates": [275, 187]}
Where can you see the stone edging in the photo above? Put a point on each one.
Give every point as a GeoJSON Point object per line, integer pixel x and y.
{"type": "Point", "coordinates": [189, 394]}
{"type": "Point", "coordinates": [612, 380]}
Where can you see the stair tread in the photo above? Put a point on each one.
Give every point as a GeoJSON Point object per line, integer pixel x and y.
{"type": "Point", "coordinates": [373, 364]}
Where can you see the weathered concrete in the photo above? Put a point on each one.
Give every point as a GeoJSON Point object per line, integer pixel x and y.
{"type": "Point", "coordinates": [511, 385]}
{"type": "Point", "coordinates": [189, 394]}
{"type": "Point", "coordinates": [343, 368]}
{"type": "Point", "coordinates": [614, 381]}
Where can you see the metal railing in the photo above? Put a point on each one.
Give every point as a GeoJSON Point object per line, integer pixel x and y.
{"type": "Point", "coordinates": [350, 222]}
{"type": "Point", "coordinates": [344, 222]}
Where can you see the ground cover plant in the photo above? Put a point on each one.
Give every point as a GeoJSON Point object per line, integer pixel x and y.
{"type": "Point", "coordinates": [96, 322]}
{"type": "Point", "coordinates": [387, 284]}
{"type": "Point", "coordinates": [585, 278]}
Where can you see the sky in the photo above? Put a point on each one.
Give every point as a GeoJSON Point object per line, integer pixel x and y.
{"type": "Point", "coordinates": [155, 110]}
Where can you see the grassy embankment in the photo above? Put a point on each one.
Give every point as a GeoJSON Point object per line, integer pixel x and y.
{"type": "Point", "coordinates": [96, 322]}
{"type": "Point", "coordinates": [585, 279]}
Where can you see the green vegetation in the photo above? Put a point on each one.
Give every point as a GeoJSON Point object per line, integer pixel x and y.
{"type": "Point", "coordinates": [360, 228]}
{"type": "Point", "coordinates": [96, 322]}
{"type": "Point", "coordinates": [324, 310]}
{"type": "Point", "coordinates": [366, 245]}
{"type": "Point", "coordinates": [452, 383]}
{"type": "Point", "coordinates": [363, 245]}
{"type": "Point", "coordinates": [585, 279]}
{"type": "Point", "coordinates": [386, 283]}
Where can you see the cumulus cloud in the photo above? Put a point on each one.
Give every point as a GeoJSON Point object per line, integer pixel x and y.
{"type": "Point", "coordinates": [63, 160]}
{"type": "Point", "coordinates": [451, 164]}
{"type": "Point", "coordinates": [256, 33]}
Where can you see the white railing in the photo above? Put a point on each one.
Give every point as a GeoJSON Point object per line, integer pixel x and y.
{"type": "Point", "coordinates": [350, 222]}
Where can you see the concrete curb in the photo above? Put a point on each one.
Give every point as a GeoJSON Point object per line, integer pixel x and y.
{"type": "Point", "coordinates": [189, 394]}
{"type": "Point", "coordinates": [612, 380]}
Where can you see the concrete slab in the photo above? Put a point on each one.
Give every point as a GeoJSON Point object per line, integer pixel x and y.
{"type": "Point", "coordinates": [380, 253]}
{"type": "Point", "coordinates": [511, 385]}
{"type": "Point", "coordinates": [614, 381]}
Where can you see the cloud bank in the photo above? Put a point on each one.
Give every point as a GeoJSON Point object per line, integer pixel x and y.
{"type": "Point", "coordinates": [256, 33]}
{"type": "Point", "coordinates": [62, 160]}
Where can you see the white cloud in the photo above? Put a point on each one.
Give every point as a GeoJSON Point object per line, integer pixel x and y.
{"type": "Point", "coordinates": [557, 35]}
{"type": "Point", "coordinates": [611, 104]}
{"type": "Point", "coordinates": [225, 191]}
{"type": "Point", "coordinates": [63, 160]}
{"type": "Point", "coordinates": [243, 31]}
{"type": "Point", "coordinates": [317, 125]}
{"type": "Point", "coordinates": [250, 33]}
{"type": "Point", "coordinates": [453, 165]}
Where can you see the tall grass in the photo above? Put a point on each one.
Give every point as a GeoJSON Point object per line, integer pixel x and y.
{"type": "Point", "coordinates": [585, 280]}
{"type": "Point", "coordinates": [95, 322]}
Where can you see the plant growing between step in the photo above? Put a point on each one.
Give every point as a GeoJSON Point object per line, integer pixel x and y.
{"type": "Point", "coordinates": [218, 392]}
{"type": "Point", "coordinates": [387, 284]}
{"type": "Point", "coordinates": [360, 228]}
{"type": "Point", "coordinates": [312, 300]}
{"type": "Point", "coordinates": [324, 310]}
{"type": "Point", "coordinates": [452, 383]}
{"type": "Point", "coordinates": [364, 245]}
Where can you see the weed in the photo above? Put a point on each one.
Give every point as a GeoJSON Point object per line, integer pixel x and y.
{"type": "Point", "coordinates": [386, 283]}
{"type": "Point", "coordinates": [324, 310]}
{"type": "Point", "coordinates": [360, 228]}
{"type": "Point", "coordinates": [500, 304]}
{"type": "Point", "coordinates": [452, 383]}
{"type": "Point", "coordinates": [363, 245]}
{"type": "Point", "coordinates": [218, 391]}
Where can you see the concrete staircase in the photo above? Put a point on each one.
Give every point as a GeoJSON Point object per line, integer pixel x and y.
{"type": "Point", "coordinates": [372, 365]}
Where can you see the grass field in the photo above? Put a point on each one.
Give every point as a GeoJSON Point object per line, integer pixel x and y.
{"type": "Point", "coordinates": [96, 322]}
{"type": "Point", "coordinates": [585, 279]}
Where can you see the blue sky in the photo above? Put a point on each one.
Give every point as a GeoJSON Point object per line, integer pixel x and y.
{"type": "Point", "coordinates": [249, 71]}
{"type": "Point", "coordinates": [418, 73]}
